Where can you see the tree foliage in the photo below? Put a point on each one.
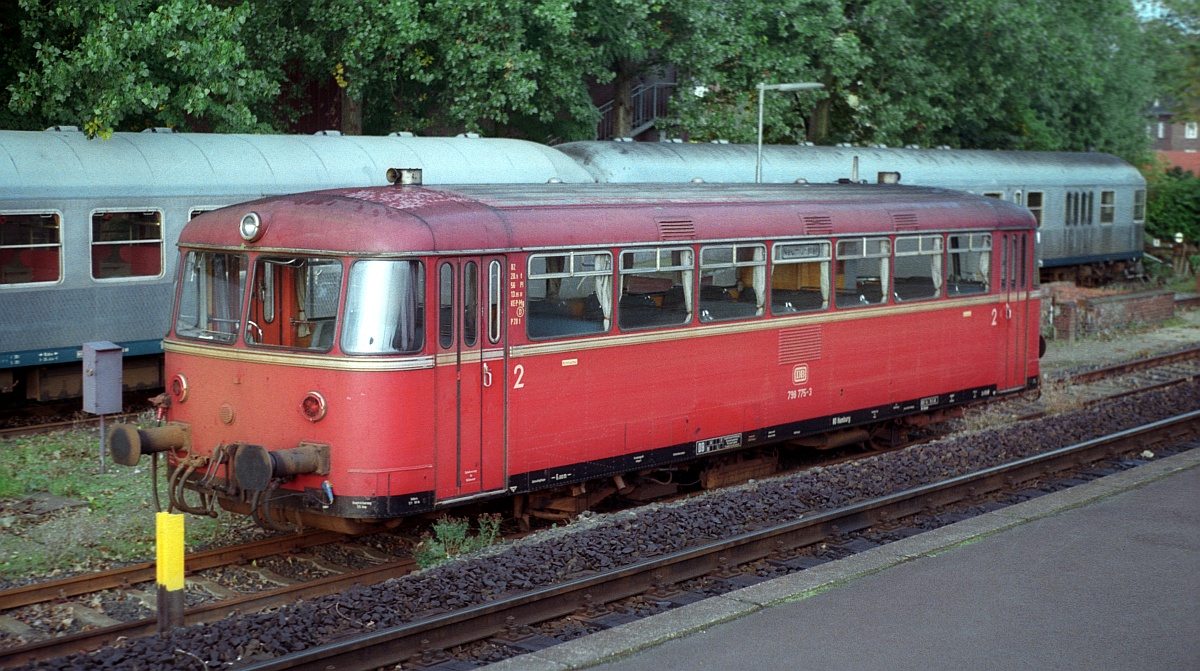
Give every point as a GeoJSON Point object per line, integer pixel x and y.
{"type": "Point", "coordinates": [1173, 204]}
{"type": "Point", "coordinates": [1022, 74]}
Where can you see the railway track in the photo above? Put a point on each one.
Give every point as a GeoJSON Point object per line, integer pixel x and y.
{"type": "Point", "coordinates": [584, 598]}
{"type": "Point", "coordinates": [1178, 366]}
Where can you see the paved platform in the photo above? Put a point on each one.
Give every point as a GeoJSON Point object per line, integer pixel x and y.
{"type": "Point", "coordinates": [1105, 575]}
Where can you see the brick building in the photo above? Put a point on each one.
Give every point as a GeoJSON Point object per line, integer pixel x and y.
{"type": "Point", "coordinates": [1167, 134]}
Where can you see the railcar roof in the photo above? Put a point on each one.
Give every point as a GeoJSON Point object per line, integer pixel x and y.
{"type": "Point", "coordinates": [58, 164]}
{"type": "Point", "coordinates": [958, 168]}
{"type": "Point", "coordinates": [444, 219]}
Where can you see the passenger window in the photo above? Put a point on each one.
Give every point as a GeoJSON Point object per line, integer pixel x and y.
{"type": "Point", "coordinates": [970, 258]}
{"type": "Point", "coordinates": [733, 281]}
{"type": "Point", "coordinates": [569, 294]}
{"type": "Point", "coordinates": [1033, 202]}
{"type": "Point", "coordinates": [656, 287]}
{"type": "Point", "coordinates": [30, 248]}
{"type": "Point", "coordinates": [385, 307]}
{"type": "Point", "coordinates": [293, 302]}
{"type": "Point", "coordinates": [800, 277]}
{"type": "Point", "coordinates": [862, 272]}
{"type": "Point", "coordinates": [1108, 206]}
{"type": "Point", "coordinates": [1139, 206]}
{"type": "Point", "coordinates": [918, 272]}
{"type": "Point", "coordinates": [126, 244]}
{"type": "Point", "coordinates": [210, 296]}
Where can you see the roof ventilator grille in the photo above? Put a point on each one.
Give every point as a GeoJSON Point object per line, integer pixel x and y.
{"type": "Point", "coordinates": [821, 224]}
{"type": "Point", "coordinates": [905, 221]}
{"type": "Point", "coordinates": [799, 344]}
{"type": "Point", "coordinates": [676, 230]}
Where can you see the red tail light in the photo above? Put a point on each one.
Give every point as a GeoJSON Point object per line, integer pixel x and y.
{"type": "Point", "coordinates": [313, 406]}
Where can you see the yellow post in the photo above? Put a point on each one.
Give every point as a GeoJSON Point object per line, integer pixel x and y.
{"type": "Point", "coordinates": [170, 570]}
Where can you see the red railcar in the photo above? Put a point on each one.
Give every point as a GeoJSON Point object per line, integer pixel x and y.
{"type": "Point", "coordinates": [346, 357]}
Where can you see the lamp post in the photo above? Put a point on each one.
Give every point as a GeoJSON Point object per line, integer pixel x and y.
{"type": "Point", "coordinates": [762, 86]}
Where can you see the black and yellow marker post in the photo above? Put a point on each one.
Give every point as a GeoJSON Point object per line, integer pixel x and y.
{"type": "Point", "coordinates": [170, 571]}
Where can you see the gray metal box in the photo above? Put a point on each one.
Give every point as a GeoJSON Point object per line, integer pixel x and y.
{"type": "Point", "coordinates": [102, 378]}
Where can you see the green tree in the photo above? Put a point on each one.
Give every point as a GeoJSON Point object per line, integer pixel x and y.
{"type": "Point", "coordinates": [130, 63]}
{"type": "Point", "coordinates": [1173, 204]}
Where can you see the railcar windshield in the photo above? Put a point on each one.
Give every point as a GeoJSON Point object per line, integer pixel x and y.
{"type": "Point", "coordinates": [210, 296]}
{"type": "Point", "coordinates": [385, 308]}
{"type": "Point", "coordinates": [294, 302]}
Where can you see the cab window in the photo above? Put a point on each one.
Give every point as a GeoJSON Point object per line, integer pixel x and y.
{"type": "Point", "coordinates": [293, 302]}
{"type": "Point", "coordinates": [385, 307]}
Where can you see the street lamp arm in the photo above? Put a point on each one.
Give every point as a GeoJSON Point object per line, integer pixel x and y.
{"type": "Point", "coordinates": [763, 86]}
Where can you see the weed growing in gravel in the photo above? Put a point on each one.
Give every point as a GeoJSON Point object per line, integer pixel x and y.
{"type": "Point", "coordinates": [452, 538]}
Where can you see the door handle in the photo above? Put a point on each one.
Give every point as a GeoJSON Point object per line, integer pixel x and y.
{"type": "Point", "coordinates": [487, 376]}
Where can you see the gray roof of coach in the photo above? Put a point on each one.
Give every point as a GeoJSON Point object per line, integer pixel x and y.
{"type": "Point", "coordinates": [51, 164]}
{"type": "Point", "coordinates": [956, 169]}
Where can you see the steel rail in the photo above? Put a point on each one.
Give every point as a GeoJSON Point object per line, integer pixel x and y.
{"type": "Point", "coordinates": [95, 639]}
{"type": "Point", "coordinates": [382, 648]}
{"type": "Point", "coordinates": [1167, 359]}
{"type": "Point", "coordinates": [126, 576]}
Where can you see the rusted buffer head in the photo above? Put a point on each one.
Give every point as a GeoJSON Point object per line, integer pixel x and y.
{"type": "Point", "coordinates": [254, 466]}
{"type": "Point", "coordinates": [127, 443]}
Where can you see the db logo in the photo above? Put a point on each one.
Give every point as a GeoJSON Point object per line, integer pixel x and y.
{"type": "Point", "coordinates": [800, 374]}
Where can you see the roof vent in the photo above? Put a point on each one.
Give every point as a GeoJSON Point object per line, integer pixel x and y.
{"type": "Point", "coordinates": [158, 129]}
{"type": "Point", "coordinates": [622, 139]}
{"type": "Point", "coordinates": [719, 141]}
{"type": "Point", "coordinates": [328, 132]}
{"type": "Point", "coordinates": [404, 176]}
{"type": "Point", "coordinates": [697, 180]}
{"type": "Point", "coordinates": [472, 136]}
{"type": "Point", "coordinates": [889, 178]}
{"type": "Point", "coordinates": [63, 129]}
{"type": "Point", "coordinates": [554, 180]}
{"type": "Point", "coordinates": [402, 133]}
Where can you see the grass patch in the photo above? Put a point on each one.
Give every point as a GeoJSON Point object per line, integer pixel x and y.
{"type": "Point", "coordinates": [114, 526]}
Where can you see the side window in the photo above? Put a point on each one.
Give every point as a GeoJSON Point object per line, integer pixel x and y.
{"type": "Point", "coordinates": [495, 301]}
{"type": "Point", "coordinates": [656, 287]}
{"type": "Point", "coordinates": [800, 277]}
{"type": "Point", "coordinates": [918, 271]}
{"type": "Point", "coordinates": [733, 281]}
{"type": "Point", "coordinates": [294, 302]}
{"type": "Point", "coordinates": [862, 272]}
{"type": "Point", "coordinates": [1034, 203]}
{"type": "Point", "coordinates": [969, 256]}
{"type": "Point", "coordinates": [1108, 206]}
{"type": "Point", "coordinates": [30, 248]}
{"type": "Point", "coordinates": [569, 294]}
{"type": "Point", "coordinates": [385, 307]}
{"type": "Point", "coordinates": [126, 244]}
{"type": "Point", "coordinates": [1139, 206]}
{"type": "Point", "coordinates": [446, 305]}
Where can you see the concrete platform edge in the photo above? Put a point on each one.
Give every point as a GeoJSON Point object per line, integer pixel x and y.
{"type": "Point", "coordinates": [629, 638]}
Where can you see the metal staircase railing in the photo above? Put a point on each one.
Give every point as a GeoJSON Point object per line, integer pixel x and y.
{"type": "Point", "coordinates": [649, 101]}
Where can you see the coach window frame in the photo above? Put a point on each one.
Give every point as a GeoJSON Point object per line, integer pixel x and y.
{"type": "Point", "coordinates": [823, 257]}
{"type": "Point", "coordinates": [131, 243]}
{"type": "Point", "coordinates": [1108, 207]}
{"type": "Point", "coordinates": [401, 313]}
{"type": "Point", "coordinates": [1037, 210]}
{"type": "Point", "coordinates": [655, 303]}
{"type": "Point", "coordinates": [553, 308]}
{"type": "Point", "coordinates": [927, 245]}
{"type": "Point", "coordinates": [19, 249]}
{"type": "Point", "coordinates": [234, 309]}
{"type": "Point", "coordinates": [1139, 206]}
{"type": "Point", "coordinates": [844, 255]}
{"type": "Point", "coordinates": [731, 304]}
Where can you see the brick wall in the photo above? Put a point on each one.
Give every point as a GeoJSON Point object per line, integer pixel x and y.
{"type": "Point", "coordinates": [1069, 314]}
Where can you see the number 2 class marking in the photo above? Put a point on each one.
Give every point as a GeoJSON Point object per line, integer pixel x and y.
{"type": "Point", "coordinates": [519, 374]}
